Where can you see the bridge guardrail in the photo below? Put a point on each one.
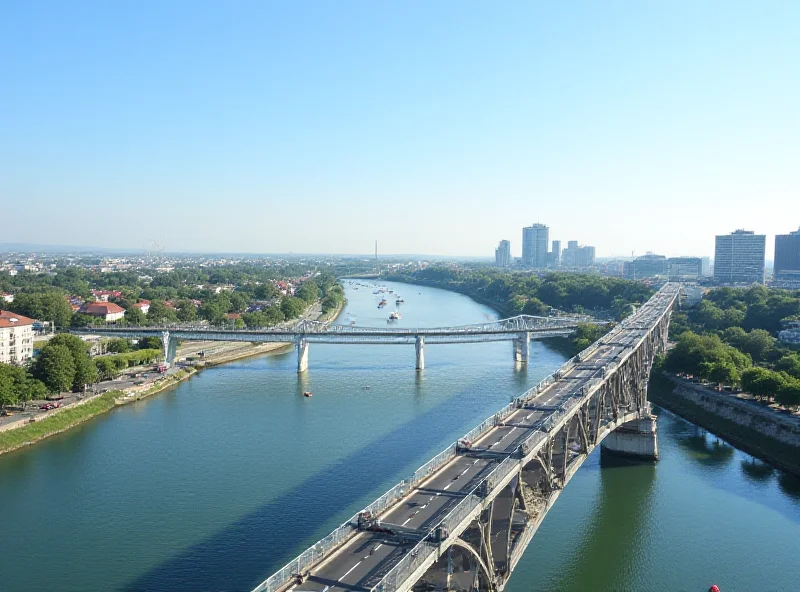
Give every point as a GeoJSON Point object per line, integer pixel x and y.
{"type": "Point", "coordinates": [438, 461]}
{"type": "Point", "coordinates": [501, 471]}
{"type": "Point", "coordinates": [308, 558]}
{"type": "Point", "coordinates": [396, 576]}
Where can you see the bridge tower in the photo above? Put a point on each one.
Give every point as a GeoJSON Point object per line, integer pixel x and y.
{"type": "Point", "coordinates": [522, 347]}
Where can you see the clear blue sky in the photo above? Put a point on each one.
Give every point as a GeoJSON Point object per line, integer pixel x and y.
{"type": "Point", "coordinates": [436, 127]}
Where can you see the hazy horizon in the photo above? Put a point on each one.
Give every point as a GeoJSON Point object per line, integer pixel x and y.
{"type": "Point", "coordinates": [435, 128]}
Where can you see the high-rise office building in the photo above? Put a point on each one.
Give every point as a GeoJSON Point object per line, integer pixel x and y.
{"type": "Point", "coordinates": [705, 266]}
{"type": "Point", "coordinates": [787, 257]}
{"type": "Point", "coordinates": [739, 258]}
{"type": "Point", "coordinates": [555, 254]}
{"type": "Point", "coordinates": [535, 239]}
{"type": "Point", "coordinates": [502, 254]}
{"type": "Point", "coordinates": [577, 256]}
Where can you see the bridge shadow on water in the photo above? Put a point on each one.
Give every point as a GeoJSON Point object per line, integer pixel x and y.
{"type": "Point", "coordinates": [243, 554]}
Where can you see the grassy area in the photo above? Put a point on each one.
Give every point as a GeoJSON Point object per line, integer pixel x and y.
{"type": "Point", "coordinates": [784, 456]}
{"type": "Point", "coordinates": [33, 432]}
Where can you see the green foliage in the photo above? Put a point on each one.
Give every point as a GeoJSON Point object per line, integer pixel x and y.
{"type": "Point", "coordinates": [512, 291]}
{"type": "Point", "coordinates": [789, 363]}
{"type": "Point", "coordinates": [292, 307]}
{"type": "Point", "coordinates": [113, 365]}
{"type": "Point", "coordinates": [45, 306]}
{"type": "Point", "coordinates": [135, 317]}
{"type": "Point", "coordinates": [149, 343]}
{"type": "Point", "coordinates": [762, 383]}
{"type": "Point", "coordinates": [55, 368]}
{"type": "Point", "coordinates": [758, 342]}
{"type": "Point", "coordinates": [308, 291]}
{"type": "Point", "coordinates": [266, 291]}
{"type": "Point", "coordinates": [118, 346]}
{"type": "Point", "coordinates": [587, 334]}
{"type": "Point", "coordinates": [55, 423]}
{"type": "Point", "coordinates": [85, 370]}
{"type": "Point", "coordinates": [697, 354]}
{"type": "Point", "coordinates": [159, 313]}
{"type": "Point", "coordinates": [187, 311]}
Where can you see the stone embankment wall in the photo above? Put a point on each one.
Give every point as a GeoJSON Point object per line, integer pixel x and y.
{"type": "Point", "coordinates": [761, 431]}
{"type": "Point", "coordinates": [770, 422]}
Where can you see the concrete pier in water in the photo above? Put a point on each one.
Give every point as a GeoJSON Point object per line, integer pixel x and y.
{"type": "Point", "coordinates": [302, 355]}
{"type": "Point", "coordinates": [637, 439]}
{"type": "Point", "coordinates": [419, 346]}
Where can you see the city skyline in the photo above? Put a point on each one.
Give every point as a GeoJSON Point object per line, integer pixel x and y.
{"type": "Point", "coordinates": [267, 128]}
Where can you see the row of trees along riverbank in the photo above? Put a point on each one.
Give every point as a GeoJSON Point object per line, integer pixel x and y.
{"type": "Point", "coordinates": [514, 293]}
{"type": "Point", "coordinates": [729, 339]}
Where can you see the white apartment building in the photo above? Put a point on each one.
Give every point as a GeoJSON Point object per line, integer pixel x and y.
{"type": "Point", "coordinates": [16, 338]}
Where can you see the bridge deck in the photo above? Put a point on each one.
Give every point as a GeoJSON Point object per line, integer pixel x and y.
{"type": "Point", "coordinates": [362, 561]}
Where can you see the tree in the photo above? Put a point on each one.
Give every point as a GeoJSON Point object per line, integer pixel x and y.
{"type": "Point", "coordinates": [758, 343]}
{"type": "Point", "coordinates": [118, 346]}
{"type": "Point", "coordinates": [187, 311]}
{"type": "Point", "coordinates": [134, 316]}
{"type": "Point", "coordinates": [273, 315]}
{"type": "Point", "coordinates": [55, 368]}
{"type": "Point", "coordinates": [535, 307]}
{"type": "Point", "coordinates": [292, 307]}
{"type": "Point", "coordinates": [85, 370]}
{"type": "Point", "coordinates": [8, 394]}
{"type": "Point", "coordinates": [107, 368]}
{"type": "Point", "coordinates": [308, 291]}
{"type": "Point", "coordinates": [212, 312]}
{"type": "Point", "coordinates": [266, 291]}
{"type": "Point", "coordinates": [789, 363]}
{"type": "Point", "coordinates": [159, 313]}
{"type": "Point", "coordinates": [789, 394]}
{"type": "Point", "coordinates": [149, 343]}
{"type": "Point", "coordinates": [762, 383]}
{"type": "Point", "coordinates": [45, 306]}
{"type": "Point", "coordinates": [724, 373]}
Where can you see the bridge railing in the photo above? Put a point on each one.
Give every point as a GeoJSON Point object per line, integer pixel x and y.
{"type": "Point", "coordinates": [397, 576]}
{"type": "Point", "coordinates": [433, 465]}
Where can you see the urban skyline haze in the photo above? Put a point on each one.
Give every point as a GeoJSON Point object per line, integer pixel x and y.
{"type": "Point", "coordinates": [438, 129]}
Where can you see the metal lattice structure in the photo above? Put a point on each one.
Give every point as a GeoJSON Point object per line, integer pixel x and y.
{"type": "Point", "coordinates": [465, 518]}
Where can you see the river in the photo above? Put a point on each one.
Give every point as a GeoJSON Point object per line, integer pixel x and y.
{"type": "Point", "coordinates": [218, 482]}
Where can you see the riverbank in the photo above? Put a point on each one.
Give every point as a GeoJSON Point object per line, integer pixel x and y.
{"type": "Point", "coordinates": [755, 441]}
{"type": "Point", "coordinates": [61, 420]}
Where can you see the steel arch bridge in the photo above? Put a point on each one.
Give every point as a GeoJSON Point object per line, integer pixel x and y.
{"type": "Point", "coordinates": [464, 519]}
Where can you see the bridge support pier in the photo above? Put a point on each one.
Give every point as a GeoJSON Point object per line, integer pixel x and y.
{"type": "Point", "coordinates": [522, 348]}
{"type": "Point", "coordinates": [302, 356]}
{"type": "Point", "coordinates": [637, 439]}
{"type": "Point", "coordinates": [419, 346]}
{"type": "Point", "coordinates": [170, 345]}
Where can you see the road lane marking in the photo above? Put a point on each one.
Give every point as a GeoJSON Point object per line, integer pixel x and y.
{"type": "Point", "coordinates": [406, 522]}
{"type": "Point", "coordinates": [446, 487]}
{"type": "Point", "coordinates": [351, 569]}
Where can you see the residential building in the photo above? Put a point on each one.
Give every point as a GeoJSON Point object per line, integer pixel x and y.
{"type": "Point", "coordinates": [790, 333]}
{"type": "Point", "coordinates": [8, 298]}
{"type": "Point", "coordinates": [143, 305]}
{"type": "Point", "coordinates": [16, 338]}
{"type": "Point", "coordinates": [535, 239]}
{"type": "Point", "coordinates": [104, 295]}
{"type": "Point", "coordinates": [787, 257]}
{"type": "Point", "coordinates": [739, 258]}
{"type": "Point", "coordinates": [108, 311]}
{"type": "Point", "coordinates": [577, 256]}
{"type": "Point", "coordinates": [502, 254]}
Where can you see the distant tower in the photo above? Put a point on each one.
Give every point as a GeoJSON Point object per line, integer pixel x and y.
{"type": "Point", "coordinates": [376, 250]}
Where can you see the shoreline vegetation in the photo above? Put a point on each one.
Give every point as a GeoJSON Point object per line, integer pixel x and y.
{"type": "Point", "coordinates": [65, 419]}
{"type": "Point", "coordinates": [762, 446]}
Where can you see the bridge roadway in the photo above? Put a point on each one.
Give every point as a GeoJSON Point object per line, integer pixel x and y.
{"type": "Point", "coordinates": [368, 556]}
